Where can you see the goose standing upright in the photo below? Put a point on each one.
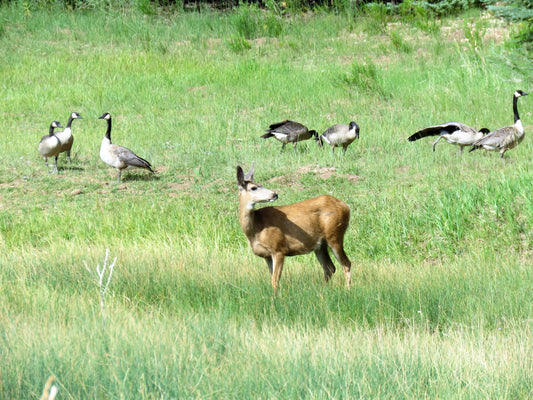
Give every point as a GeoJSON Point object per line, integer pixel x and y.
{"type": "Point", "coordinates": [117, 156]}
{"type": "Point", "coordinates": [507, 137]}
{"type": "Point", "coordinates": [456, 133]}
{"type": "Point", "coordinates": [289, 132]}
{"type": "Point", "coordinates": [50, 145]}
{"type": "Point", "coordinates": [340, 135]}
{"type": "Point", "coordinates": [65, 137]}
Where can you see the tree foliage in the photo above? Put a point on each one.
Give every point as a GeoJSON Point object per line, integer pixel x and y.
{"type": "Point", "coordinates": [438, 7]}
{"type": "Point", "coordinates": [519, 12]}
{"type": "Point", "coordinates": [447, 7]}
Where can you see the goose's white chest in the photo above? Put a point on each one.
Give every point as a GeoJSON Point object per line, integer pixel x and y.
{"type": "Point", "coordinates": [65, 136]}
{"type": "Point", "coordinates": [108, 155]}
{"type": "Point", "coordinates": [49, 146]}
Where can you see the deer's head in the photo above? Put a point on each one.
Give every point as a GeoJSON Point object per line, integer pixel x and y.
{"type": "Point", "coordinates": [250, 192]}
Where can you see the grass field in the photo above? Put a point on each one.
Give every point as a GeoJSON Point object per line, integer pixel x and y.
{"type": "Point", "coordinates": [441, 244]}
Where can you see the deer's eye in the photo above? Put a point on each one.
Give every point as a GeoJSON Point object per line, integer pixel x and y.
{"type": "Point", "coordinates": [253, 188]}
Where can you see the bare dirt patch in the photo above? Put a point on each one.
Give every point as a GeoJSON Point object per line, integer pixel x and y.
{"type": "Point", "coordinates": [293, 179]}
{"type": "Point", "coordinates": [497, 32]}
{"type": "Point", "coordinates": [326, 173]}
{"type": "Point", "coordinates": [177, 188]}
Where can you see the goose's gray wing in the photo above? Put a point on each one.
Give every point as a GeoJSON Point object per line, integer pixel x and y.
{"type": "Point", "coordinates": [442, 129]}
{"type": "Point", "coordinates": [498, 138]}
{"type": "Point", "coordinates": [336, 130]}
{"type": "Point", "coordinates": [288, 127]}
{"type": "Point", "coordinates": [128, 157]}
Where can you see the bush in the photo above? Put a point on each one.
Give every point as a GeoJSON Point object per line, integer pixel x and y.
{"type": "Point", "coordinates": [521, 12]}
{"type": "Point", "coordinates": [447, 7]}
{"type": "Point", "coordinates": [238, 44]}
{"type": "Point", "coordinates": [365, 77]}
{"type": "Point", "coordinates": [251, 22]}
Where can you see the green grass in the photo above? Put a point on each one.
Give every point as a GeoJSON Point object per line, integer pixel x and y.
{"type": "Point", "coordinates": [441, 244]}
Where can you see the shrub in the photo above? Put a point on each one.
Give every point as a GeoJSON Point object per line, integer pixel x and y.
{"type": "Point", "coordinates": [247, 21]}
{"type": "Point", "coordinates": [398, 42]}
{"type": "Point", "coordinates": [366, 77]}
{"type": "Point", "coordinates": [251, 22]}
{"type": "Point", "coordinates": [520, 11]}
{"type": "Point", "coordinates": [238, 44]}
{"type": "Point", "coordinates": [447, 7]}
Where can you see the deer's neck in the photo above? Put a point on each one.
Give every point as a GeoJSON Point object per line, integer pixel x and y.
{"type": "Point", "coordinates": [247, 217]}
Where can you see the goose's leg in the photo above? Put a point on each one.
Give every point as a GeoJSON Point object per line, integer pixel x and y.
{"type": "Point", "coordinates": [435, 142]}
{"type": "Point", "coordinates": [55, 166]}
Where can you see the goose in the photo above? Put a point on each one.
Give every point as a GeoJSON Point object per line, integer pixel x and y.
{"type": "Point", "coordinates": [507, 137]}
{"type": "Point", "coordinates": [289, 132]}
{"type": "Point", "coordinates": [50, 145]}
{"type": "Point", "coordinates": [340, 135]}
{"type": "Point", "coordinates": [65, 137]}
{"type": "Point", "coordinates": [456, 133]}
{"type": "Point", "coordinates": [117, 156]}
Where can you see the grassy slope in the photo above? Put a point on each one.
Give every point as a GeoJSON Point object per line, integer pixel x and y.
{"type": "Point", "coordinates": [441, 244]}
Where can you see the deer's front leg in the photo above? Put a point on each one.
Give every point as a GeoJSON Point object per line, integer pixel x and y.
{"type": "Point", "coordinates": [277, 267]}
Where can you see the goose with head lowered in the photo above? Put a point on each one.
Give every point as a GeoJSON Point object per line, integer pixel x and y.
{"type": "Point", "coordinates": [289, 132]}
{"type": "Point", "coordinates": [119, 157]}
{"type": "Point", "coordinates": [507, 137]}
{"type": "Point", "coordinates": [455, 133]}
{"type": "Point", "coordinates": [340, 135]}
{"type": "Point", "coordinates": [65, 137]}
{"type": "Point", "coordinates": [50, 145]}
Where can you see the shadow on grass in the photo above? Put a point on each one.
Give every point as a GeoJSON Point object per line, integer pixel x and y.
{"type": "Point", "coordinates": [70, 168]}
{"type": "Point", "coordinates": [140, 176]}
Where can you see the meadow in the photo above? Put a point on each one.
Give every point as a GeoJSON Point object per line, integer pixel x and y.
{"type": "Point", "coordinates": [441, 243]}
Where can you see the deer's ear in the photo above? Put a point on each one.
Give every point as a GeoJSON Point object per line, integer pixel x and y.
{"type": "Point", "coordinates": [250, 174]}
{"type": "Point", "coordinates": [240, 176]}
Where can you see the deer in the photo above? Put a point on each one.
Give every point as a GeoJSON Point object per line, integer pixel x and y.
{"type": "Point", "coordinates": [277, 232]}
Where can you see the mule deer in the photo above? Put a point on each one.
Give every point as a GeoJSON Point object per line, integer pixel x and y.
{"type": "Point", "coordinates": [278, 232]}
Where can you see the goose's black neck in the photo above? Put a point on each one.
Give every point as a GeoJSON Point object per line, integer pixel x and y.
{"type": "Point", "coordinates": [69, 123]}
{"type": "Point", "coordinates": [51, 130]}
{"type": "Point", "coordinates": [108, 132]}
{"type": "Point", "coordinates": [515, 109]}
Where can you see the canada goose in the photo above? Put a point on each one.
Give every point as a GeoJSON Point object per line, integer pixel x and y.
{"type": "Point", "coordinates": [117, 156]}
{"type": "Point", "coordinates": [50, 145]}
{"type": "Point", "coordinates": [340, 135]}
{"type": "Point", "coordinates": [289, 132]}
{"type": "Point", "coordinates": [507, 137]}
{"type": "Point", "coordinates": [453, 132]}
{"type": "Point", "coordinates": [65, 137]}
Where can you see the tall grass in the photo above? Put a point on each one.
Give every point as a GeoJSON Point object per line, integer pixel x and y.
{"type": "Point", "coordinates": [440, 243]}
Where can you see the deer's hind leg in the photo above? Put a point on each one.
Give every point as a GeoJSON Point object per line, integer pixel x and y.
{"type": "Point", "coordinates": [325, 260]}
{"type": "Point", "coordinates": [269, 264]}
{"type": "Point", "coordinates": [337, 248]}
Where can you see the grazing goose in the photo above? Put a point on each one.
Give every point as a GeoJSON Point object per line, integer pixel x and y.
{"type": "Point", "coordinates": [289, 132]}
{"type": "Point", "coordinates": [65, 137]}
{"type": "Point", "coordinates": [50, 145]}
{"type": "Point", "coordinates": [117, 156]}
{"type": "Point", "coordinates": [340, 135]}
{"type": "Point", "coordinates": [507, 137]}
{"type": "Point", "coordinates": [453, 132]}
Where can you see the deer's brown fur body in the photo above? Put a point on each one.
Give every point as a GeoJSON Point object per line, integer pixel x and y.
{"type": "Point", "coordinates": [281, 231]}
